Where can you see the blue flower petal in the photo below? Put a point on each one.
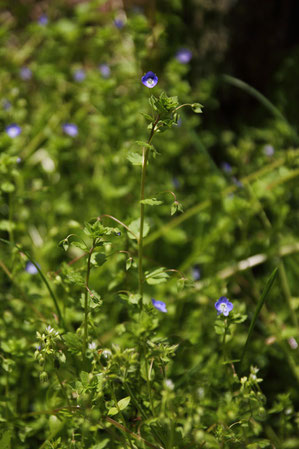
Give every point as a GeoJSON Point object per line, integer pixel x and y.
{"type": "Point", "coordinates": [159, 305]}
{"type": "Point", "coordinates": [150, 79]}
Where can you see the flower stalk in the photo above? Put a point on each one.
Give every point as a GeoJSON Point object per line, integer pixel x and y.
{"type": "Point", "coordinates": [145, 154]}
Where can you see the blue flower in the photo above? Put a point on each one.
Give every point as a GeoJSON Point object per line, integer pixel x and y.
{"type": "Point", "coordinates": [150, 79]}
{"type": "Point", "coordinates": [175, 182]}
{"type": "Point", "coordinates": [79, 75]}
{"type": "Point", "coordinates": [119, 23]}
{"type": "Point", "coordinates": [6, 105]}
{"type": "Point", "coordinates": [223, 306]}
{"type": "Point", "coordinates": [31, 268]}
{"type": "Point", "coordinates": [160, 305]}
{"type": "Point", "coordinates": [43, 20]}
{"type": "Point", "coordinates": [70, 129]}
{"type": "Point", "coordinates": [226, 167]}
{"type": "Point", "coordinates": [196, 273]}
{"type": "Point", "coordinates": [25, 73]}
{"type": "Point", "coordinates": [184, 55]}
{"type": "Point", "coordinates": [237, 182]}
{"type": "Point", "coordinates": [13, 130]}
{"type": "Point", "coordinates": [105, 70]}
{"type": "Point", "coordinates": [268, 150]}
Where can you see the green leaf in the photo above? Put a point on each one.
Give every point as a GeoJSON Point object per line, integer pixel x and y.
{"type": "Point", "coordinates": [123, 403]}
{"type": "Point", "coordinates": [176, 206]}
{"type": "Point", "coordinates": [147, 117]}
{"type": "Point", "coordinates": [151, 202]}
{"type": "Point", "coordinates": [101, 445]}
{"type": "Point", "coordinates": [73, 342]}
{"type": "Point", "coordinates": [129, 263]}
{"type": "Point", "coordinates": [84, 376]}
{"type": "Point", "coordinates": [5, 440]}
{"type": "Point", "coordinates": [132, 298]}
{"type": "Point", "coordinates": [7, 187]}
{"type": "Point", "coordinates": [95, 297]}
{"type": "Point", "coordinates": [100, 259]}
{"type": "Point", "coordinates": [260, 304]}
{"type": "Point", "coordinates": [144, 144]}
{"type": "Point", "coordinates": [134, 226]}
{"type": "Point", "coordinates": [80, 245]}
{"type": "Point", "coordinates": [197, 108]}
{"type": "Point", "coordinates": [113, 411]}
{"type": "Point", "coordinates": [64, 244]}
{"type": "Point", "coordinates": [135, 158]}
{"type": "Point", "coordinates": [157, 276]}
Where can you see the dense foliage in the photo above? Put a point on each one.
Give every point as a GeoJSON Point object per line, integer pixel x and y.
{"type": "Point", "coordinates": [127, 210]}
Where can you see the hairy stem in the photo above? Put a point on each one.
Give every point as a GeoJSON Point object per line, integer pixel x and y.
{"type": "Point", "coordinates": [145, 154]}
{"type": "Point", "coordinates": [86, 300]}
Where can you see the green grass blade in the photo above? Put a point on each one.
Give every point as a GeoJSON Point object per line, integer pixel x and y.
{"type": "Point", "coordinates": [258, 309]}
{"type": "Point", "coordinates": [44, 279]}
{"type": "Point", "coordinates": [261, 98]}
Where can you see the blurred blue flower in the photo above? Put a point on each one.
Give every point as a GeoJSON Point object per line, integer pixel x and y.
{"type": "Point", "coordinates": [25, 73]}
{"type": "Point", "coordinates": [196, 273]}
{"type": "Point", "coordinates": [13, 130]}
{"type": "Point", "coordinates": [31, 268]}
{"type": "Point", "coordinates": [160, 305]}
{"type": "Point", "coordinates": [223, 306]}
{"type": "Point", "coordinates": [19, 160]}
{"type": "Point", "coordinates": [237, 182]}
{"type": "Point", "coordinates": [184, 55]}
{"type": "Point", "coordinates": [43, 20]}
{"type": "Point", "coordinates": [175, 182]}
{"type": "Point", "coordinates": [6, 105]}
{"type": "Point", "coordinates": [70, 129]}
{"type": "Point", "coordinates": [268, 150]}
{"type": "Point", "coordinates": [105, 70]}
{"type": "Point", "coordinates": [119, 23]}
{"type": "Point", "coordinates": [79, 75]}
{"type": "Point", "coordinates": [226, 167]}
{"type": "Point", "coordinates": [150, 79]}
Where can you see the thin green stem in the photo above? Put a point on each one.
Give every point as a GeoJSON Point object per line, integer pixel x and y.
{"type": "Point", "coordinates": [22, 251]}
{"type": "Point", "coordinates": [85, 336]}
{"type": "Point", "coordinates": [145, 154]}
{"type": "Point", "coordinates": [223, 341]}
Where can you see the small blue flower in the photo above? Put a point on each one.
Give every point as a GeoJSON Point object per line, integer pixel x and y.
{"type": "Point", "coordinates": [31, 268]}
{"type": "Point", "coordinates": [226, 167]}
{"type": "Point", "coordinates": [19, 160]}
{"type": "Point", "coordinates": [6, 105]}
{"type": "Point", "coordinates": [79, 75]}
{"type": "Point", "coordinates": [105, 70]}
{"type": "Point", "coordinates": [13, 130]}
{"type": "Point", "coordinates": [160, 305]}
{"type": "Point", "coordinates": [184, 55]}
{"type": "Point", "coordinates": [150, 79]}
{"type": "Point", "coordinates": [237, 182]}
{"type": "Point", "coordinates": [70, 129]}
{"type": "Point", "coordinates": [175, 182]}
{"type": "Point", "coordinates": [119, 23]}
{"type": "Point", "coordinates": [196, 274]}
{"type": "Point", "coordinates": [43, 20]}
{"type": "Point", "coordinates": [25, 73]}
{"type": "Point", "coordinates": [268, 150]}
{"type": "Point", "coordinates": [223, 306]}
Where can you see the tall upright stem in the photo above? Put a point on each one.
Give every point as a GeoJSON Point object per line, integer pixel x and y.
{"type": "Point", "coordinates": [145, 154]}
{"type": "Point", "coordinates": [86, 301]}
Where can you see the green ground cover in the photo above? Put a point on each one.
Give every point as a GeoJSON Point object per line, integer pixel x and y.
{"type": "Point", "coordinates": [148, 244]}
